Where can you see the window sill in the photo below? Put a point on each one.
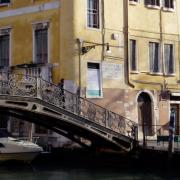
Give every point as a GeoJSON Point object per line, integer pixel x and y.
{"type": "Point", "coordinates": [168, 9]}
{"type": "Point", "coordinates": [152, 6]}
{"type": "Point", "coordinates": [134, 3]}
{"type": "Point", "coordinates": [4, 4]}
{"type": "Point", "coordinates": [94, 96]}
{"type": "Point", "coordinates": [134, 72]}
{"type": "Point", "coordinates": [93, 29]}
{"type": "Point", "coordinates": [156, 73]}
{"type": "Point", "coordinates": [170, 75]}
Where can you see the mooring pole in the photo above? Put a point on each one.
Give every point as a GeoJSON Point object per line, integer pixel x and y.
{"type": "Point", "coordinates": [171, 133]}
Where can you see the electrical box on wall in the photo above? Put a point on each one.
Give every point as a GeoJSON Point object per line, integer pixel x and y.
{"type": "Point", "coordinates": [115, 36]}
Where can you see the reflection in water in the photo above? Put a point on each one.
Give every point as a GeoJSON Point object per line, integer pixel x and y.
{"type": "Point", "coordinates": [84, 166]}
{"type": "Point", "coordinates": [58, 172]}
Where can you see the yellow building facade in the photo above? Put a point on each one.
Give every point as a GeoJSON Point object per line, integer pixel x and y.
{"type": "Point", "coordinates": [120, 54]}
{"type": "Point", "coordinates": [154, 61]}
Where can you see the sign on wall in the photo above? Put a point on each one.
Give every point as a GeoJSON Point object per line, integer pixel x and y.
{"type": "Point", "coordinates": [111, 70]}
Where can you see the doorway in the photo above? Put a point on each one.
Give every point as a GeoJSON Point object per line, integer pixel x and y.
{"type": "Point", "coordinates": [145, 114]}
{"type": "Point", "coordinates": [176, 108]}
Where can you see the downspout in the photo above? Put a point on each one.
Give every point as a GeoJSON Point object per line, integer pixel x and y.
{"type": "Point", "coordinates": [126, 42]}
{"type": "Point", "coordinates": [102, 28]}
{"type": "Point", "coordinates": [162, 48]}
{"type": "Point", "coordinates": [178, 81]}
{"type": "Point", "coordinates": [80, 44]}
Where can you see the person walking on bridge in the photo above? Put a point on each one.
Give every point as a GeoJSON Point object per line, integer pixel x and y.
{"type": "Point", "coordinates": [62, 95]}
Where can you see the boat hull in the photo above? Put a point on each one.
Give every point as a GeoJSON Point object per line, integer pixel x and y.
{"type": "Point", "coordinates": [26, 157]}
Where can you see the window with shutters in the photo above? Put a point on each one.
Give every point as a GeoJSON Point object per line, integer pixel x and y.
{"type": "Point", "coordinates": [133, 55]}
{"type": "Point", "coordinates": [4, 47]}
{"type": "Point", "coordinates": [93, 15]}
{"type": "Point", "coordinates": [41, 43]}
{"type": "Point", "coordinates": [154, 57]}
{"type": "Point", "coordinates": [169, 59]}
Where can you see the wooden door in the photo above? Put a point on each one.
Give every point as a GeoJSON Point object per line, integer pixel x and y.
{"type": "Point", "coordinates": [176, 108]}
{"type": "Point", "coordinates": [145, 114]}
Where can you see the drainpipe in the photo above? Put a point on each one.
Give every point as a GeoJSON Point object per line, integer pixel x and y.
{"type": "Point", "coordinates": [80, 44]}
{"type": "Point", "coordinates": [162, 47]}
{"type": "Point", "coordinates": [178, 25]}
{"type": "Point", "coordinates": [126, 42]}
{"type": "Point", "coordinates": [102, 28]}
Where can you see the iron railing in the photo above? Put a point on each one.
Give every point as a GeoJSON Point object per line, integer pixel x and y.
{"type": "Point", "coordinates": [157, 130]}
{"type": "Point", "coordinates": [159, 135]}
{"type": "Point", "coordinates": [35, 87]}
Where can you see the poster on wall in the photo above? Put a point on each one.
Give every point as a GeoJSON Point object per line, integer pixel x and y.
{"type": "Point", "coordinates": [111, 70]}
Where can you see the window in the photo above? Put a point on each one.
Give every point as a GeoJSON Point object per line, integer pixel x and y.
{"type": "Point", "coordinates": [4, 47]}
{"type": "Point", "coordinates": [1, 145]}
{"type": "Point", "coordinates": [93, 13]}
{"type": "Point", "coordinates": [93, 80]}
{"type": "Point", "coordinates": [4, 1]}
{"type": "Point", "coordinates": [169, 4]}
{"type": "Point", "coordinates": [41, 43]}
{"type": "Point", "coordinates": [134, 1]}
{"type": "Point", "coordinates": [41, 71]}
{"type": "Point", "coordinates": [154, 57]}
{"type": "Point", "coordinates": [3, 121]}
{"type": "Point", "coordinates": [133, 63]}
{"type": "Point", "coordinates": [152, 2]}
{"type": "Point", "coordinates": [169, 59]}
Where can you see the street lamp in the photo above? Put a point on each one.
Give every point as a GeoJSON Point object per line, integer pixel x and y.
{"type": "Point", "coordinates": [86, 49]}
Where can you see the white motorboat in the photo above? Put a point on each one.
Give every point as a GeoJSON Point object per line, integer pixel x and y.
{"type": "Point", "coordinates": [20, 150]}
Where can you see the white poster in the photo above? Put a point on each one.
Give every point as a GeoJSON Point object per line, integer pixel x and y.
{"type": "Point", "coordinates": [111, 70]}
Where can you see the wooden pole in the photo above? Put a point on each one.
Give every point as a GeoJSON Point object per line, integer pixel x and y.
{"type": "Point", "coordinates": [171, 133]}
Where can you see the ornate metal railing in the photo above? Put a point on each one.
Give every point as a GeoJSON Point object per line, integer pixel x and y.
{"type": "Point", "coordinates": [27, 86]}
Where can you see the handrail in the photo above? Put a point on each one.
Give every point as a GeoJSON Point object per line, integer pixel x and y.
{"type": "Point", "coordinates": [155, 130]}
{"type": "Point", "coordinates": [35, 87]}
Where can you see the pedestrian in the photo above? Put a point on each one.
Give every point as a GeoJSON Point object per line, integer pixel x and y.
{"type": "Point", "coordinates": [62, 96]}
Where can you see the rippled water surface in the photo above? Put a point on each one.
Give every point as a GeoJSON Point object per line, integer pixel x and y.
{"type": "Point", "coordinates": [56, 172]}
{"type": "Point", "coordinates": [88, 169]}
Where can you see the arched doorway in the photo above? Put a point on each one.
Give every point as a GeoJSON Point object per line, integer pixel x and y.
{"type": "Point", "coordinates": [145, 114]}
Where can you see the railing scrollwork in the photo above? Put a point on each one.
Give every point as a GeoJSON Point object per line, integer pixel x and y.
{"type": "Point", "coordinates": [27, 86]}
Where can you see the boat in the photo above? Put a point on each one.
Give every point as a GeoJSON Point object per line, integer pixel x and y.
{"type": "Point", "coordinates": [19, 150]}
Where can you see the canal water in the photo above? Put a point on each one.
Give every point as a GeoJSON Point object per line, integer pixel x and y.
{"type": "Point", "coordinates": [72, 173]}
{"type": "Point", "coordinates": [88, 168]}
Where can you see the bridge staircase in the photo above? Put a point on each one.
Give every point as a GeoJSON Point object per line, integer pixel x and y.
{"type": "Point", "coordinates": [36, 100]}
